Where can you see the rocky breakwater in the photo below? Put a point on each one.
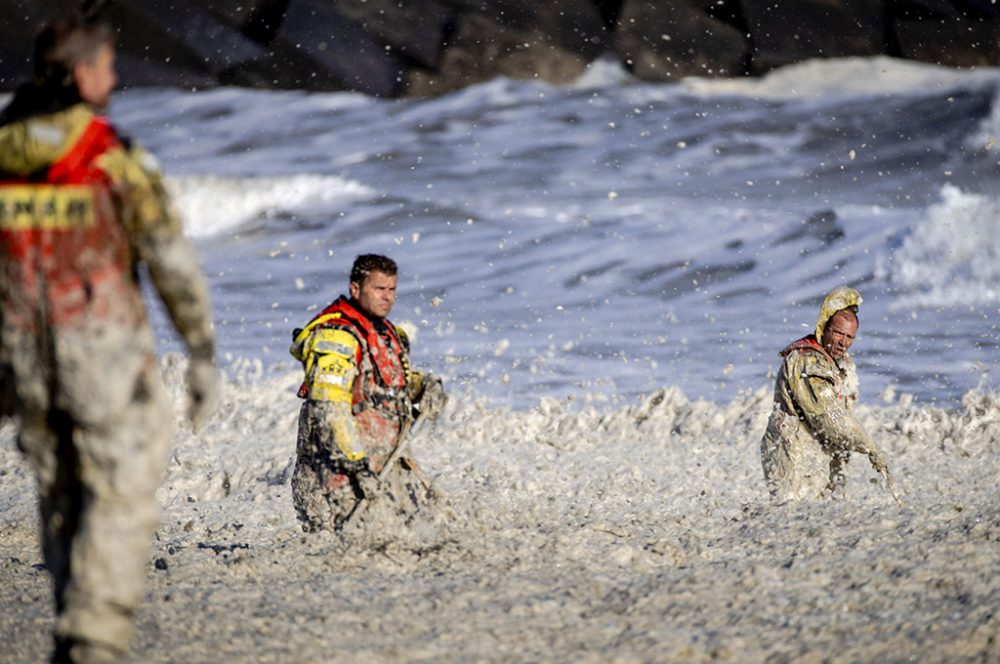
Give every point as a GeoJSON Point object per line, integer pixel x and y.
{"type": "Point", "coordinates": [395, 48]}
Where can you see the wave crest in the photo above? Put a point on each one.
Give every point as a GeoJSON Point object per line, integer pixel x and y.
{"type": "Point", "coordinates": [211, 204]}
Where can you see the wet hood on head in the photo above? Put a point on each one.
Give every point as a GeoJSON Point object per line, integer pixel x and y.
{"type": "Point", "coordinates": [839, 298]}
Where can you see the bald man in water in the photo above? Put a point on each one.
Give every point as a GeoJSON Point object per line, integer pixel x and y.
{"type": "Point", "coordinates": [813, 416]}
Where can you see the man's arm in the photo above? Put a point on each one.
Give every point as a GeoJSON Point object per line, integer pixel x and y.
{"type": "Point", "coordinates": [157, 239]}
{"type": "Point", "coordinates": [156, 236]}
{"type": "Point", "coordinates": [427, 395]}
{"type": "Point", "coordinates": [811, 381]}
{"type": "Point", "coordinates": [330, 357]}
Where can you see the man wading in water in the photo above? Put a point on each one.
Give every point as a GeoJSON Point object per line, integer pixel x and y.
{"type": "Point", "coordinates": [813, 413]}
{"type": "Point", "coordinates": [361, 397]}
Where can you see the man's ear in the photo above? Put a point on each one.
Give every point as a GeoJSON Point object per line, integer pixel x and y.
{"type": "Point", "coordinates": [75, 75]}
{"type": "Point", "coordinates": [354, 289]}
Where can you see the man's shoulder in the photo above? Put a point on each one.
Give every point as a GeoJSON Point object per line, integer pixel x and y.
{"type": "Point", "coordinates": [336, 320]}
{"type": "Point", "coordinates": [803, 360]}
{"type": "Point", "coordinates": [33, 142]}
{"type": "Point", "coordinates": [128, 161]}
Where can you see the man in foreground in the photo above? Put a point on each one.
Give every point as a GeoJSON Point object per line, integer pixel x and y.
{"type": "Point", "coordinates": [79, 209]}
{"type": "Point", "coordinates": [361, 398]}
{"type": "Point", "coordinates": [813, 414]}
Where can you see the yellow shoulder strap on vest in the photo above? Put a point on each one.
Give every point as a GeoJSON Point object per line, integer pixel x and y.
{"type": "Point", "coordinates": [307, 330]}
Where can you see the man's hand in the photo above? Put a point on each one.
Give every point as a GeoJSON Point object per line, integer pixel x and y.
{"type": "Point", "coordinates": [432, 399]}
{"type": "Point", "coordinates": [878, 461]}
{"type": "Point", "coordinates": [203, 391]}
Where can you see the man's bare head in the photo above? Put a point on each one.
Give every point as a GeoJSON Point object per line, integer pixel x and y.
{"type": "Point", "coordinates": [373, 284]}
{"type": "Point", "coordinates": [839, 333]}
{"type": "Point", "coordinates": [77, 54]}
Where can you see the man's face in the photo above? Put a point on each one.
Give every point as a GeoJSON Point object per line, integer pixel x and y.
{"type": "Point", "coordinates": [96, 78]}
{"type": "Point", "coordinates": [838, 335]}
{"type": "Point", "coordinates": [376, 294]}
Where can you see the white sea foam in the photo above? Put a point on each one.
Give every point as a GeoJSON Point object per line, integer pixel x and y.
{"type": "Point", "coordinates": [603, 72]}
{"type": "Point", "coordinates": [844, 77]}
{"type": "Point", "coordinates": [211, 204]}
{"type": "Point", "coordinates": [636, 531]}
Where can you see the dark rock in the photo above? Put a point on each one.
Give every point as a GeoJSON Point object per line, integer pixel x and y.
{"type": "Point", "coordinates": [422, 47]}
{"type": "Point", "coordinates": [46, 10]}
{"type": "Point", "coordinates": [18, 24]}
{"type": "Point", "coordinates": [317, 48]}
{"type": "Point", "coordinates": [264, 20]}
{"type": "Point", "coordinates": [663, 41]}
{"type": "Point", "coordinates": [136, 71]}
{"type": "Point", "coordinates": [570, 25]}
{"type": "Point", "coordinates": [978, 8]}
{"type": "Point", "coordinates": [157, 37]}
{"type": "Point", "coordinates": [727, 11]}
{"type": "Point", "coordinates": [942, 9]}
{"type": "Point", "coordinates": [952, 41]}
{"type": "Point", "coordinates": [241, 13]}
{"type": "Point", "coordinates": [783, 33]}
{"type": "Point", "coordinates": [415, 29]}
{"type": "Point", "coordinates": [149, 54]}
{"type": "Point", "coordinates": [922, 10]}
{"type": "Point", "coordinates": [609, 10]}
{"type": "Point", "coordinates": [480, 49]}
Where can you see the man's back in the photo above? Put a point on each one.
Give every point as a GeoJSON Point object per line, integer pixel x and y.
{"type": "Point", "coordinates": [79, 209]}
{"type": "Point", "coordinates": [69, 298]}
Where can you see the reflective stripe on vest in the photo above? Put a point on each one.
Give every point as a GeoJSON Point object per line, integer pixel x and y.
{"type": "Point", "coordinates": [63, 252]}
{"type": "Point", "coordinates": [341, 313]}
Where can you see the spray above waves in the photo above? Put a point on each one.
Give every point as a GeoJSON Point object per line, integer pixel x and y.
{"type": "Point", "coordinates": [210, 204]}
{"type": "Point", "coordinates": [952, 256]}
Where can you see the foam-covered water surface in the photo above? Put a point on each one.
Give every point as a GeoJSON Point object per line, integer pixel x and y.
{"type": "Point", "coordinates": [567, 531]}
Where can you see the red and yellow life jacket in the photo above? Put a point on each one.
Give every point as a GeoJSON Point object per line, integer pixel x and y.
{"type": "Point", "coordinates": [65, 257]}
{"type": "Point", "coordinates": [384, 376]}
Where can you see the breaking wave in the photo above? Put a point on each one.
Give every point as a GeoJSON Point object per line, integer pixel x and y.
{"type": "Point", "coordinates": [952, 257]}
{"type": "Point", "coordinates": [211, 204]}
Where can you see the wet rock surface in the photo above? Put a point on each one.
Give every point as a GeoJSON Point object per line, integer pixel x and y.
{"type": "Point", "coordinates": [394, 48]}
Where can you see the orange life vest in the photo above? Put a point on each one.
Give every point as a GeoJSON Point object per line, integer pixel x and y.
{"type": "Point", "coordinates": [65, 257]}
{"type": "Point", "coordinates": [807, 342]}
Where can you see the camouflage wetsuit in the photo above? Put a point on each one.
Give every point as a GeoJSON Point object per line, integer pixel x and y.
{"type": "Point", "coordinates": [79, 208]}
{"type": "Point", "coordinates": [360, 397]}
{"type": "Point", "coordinates": [812, 429]}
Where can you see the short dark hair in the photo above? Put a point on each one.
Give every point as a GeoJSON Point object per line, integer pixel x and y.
{"type": "Point", "coordinates": [64, 43]}
{"type": "Point", "coordinates": [365, 264]}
